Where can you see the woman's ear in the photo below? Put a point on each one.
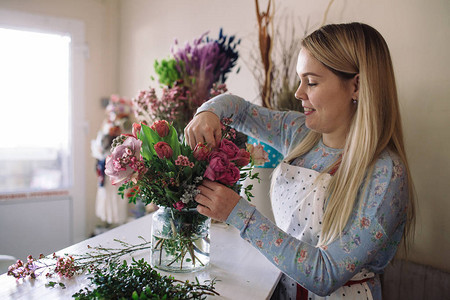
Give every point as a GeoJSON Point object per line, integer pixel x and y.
{"type": "Point", "coordinates": [355, 86]}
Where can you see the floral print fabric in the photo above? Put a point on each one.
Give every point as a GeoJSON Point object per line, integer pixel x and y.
{"type": "Point", "coordinates": [375, 228]}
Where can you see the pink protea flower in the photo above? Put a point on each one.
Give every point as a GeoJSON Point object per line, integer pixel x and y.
{"type": "Point", "coordinates": [163, 150]}
{"type": "Point", "coordinates": [120, 165]}
{"type": "Point", "coordinates": [257, 154]}
{"type": "Point", "coordinates": [161, 127]}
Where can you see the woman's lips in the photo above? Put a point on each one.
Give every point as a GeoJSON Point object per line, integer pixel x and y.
{"type": "Point", "coordinates": [308, 110]}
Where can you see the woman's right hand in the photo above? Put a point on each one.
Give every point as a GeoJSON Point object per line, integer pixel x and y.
{"type": "Point", "coordinates": [205, 127]}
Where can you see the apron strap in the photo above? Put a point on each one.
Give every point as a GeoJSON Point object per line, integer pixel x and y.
{"type": "Point", "coordinates": [302, 293]}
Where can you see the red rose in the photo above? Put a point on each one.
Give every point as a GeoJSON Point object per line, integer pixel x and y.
{"type": "Point", "coordinates": [218, 163]}
{"type": "Point", "coordinates": [161, 127]}
{"type": "Point", "coordinates": [229, 148]}
{"type": "Point", "coordinates": [163, 150]}
{"type": "Point", "coordinates": [230, 176]}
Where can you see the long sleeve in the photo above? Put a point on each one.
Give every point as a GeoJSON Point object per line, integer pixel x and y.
{"type": "Point", "coordinates": [280, 130]}
{"type": "Point", "coordinates": [369, 240]}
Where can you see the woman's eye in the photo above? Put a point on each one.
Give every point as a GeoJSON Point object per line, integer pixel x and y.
{"type": "Point", "coordinates": [312, 84]}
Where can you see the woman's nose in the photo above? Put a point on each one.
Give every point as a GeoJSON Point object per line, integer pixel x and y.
{"type": "Point", "coordinates": [300, 94]}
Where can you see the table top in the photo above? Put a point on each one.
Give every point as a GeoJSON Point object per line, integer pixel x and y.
{"type": "Point", "coordinates": [240, 270]}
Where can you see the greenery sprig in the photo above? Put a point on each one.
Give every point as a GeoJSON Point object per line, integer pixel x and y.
{"type": "Point", "coordinates": [140, 281]}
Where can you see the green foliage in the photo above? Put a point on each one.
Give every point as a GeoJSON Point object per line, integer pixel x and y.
{"type": "Point", "coordinates": [167, 71]}
{"type": "Point", "coordinates": [140, 281]}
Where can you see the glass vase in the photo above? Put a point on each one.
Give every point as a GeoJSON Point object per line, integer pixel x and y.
{"type": "Point", "coordinates": [180, 240]}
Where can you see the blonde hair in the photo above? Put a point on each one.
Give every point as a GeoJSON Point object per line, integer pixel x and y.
{"type": "Point", "coordinates": [347, 50]}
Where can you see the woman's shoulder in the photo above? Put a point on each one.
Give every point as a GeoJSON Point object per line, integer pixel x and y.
{"type": "Point", "coordinates": [390, 165]}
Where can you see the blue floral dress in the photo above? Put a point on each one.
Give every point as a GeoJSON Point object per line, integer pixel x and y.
{"type": "Point", "coordinates": [368, 242]}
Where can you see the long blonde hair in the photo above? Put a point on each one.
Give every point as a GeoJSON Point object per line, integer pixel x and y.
{"type": "Point", "coordinates": [347, 50]}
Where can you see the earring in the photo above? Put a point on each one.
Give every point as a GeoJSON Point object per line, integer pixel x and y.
{"type": "Point", "coordinates": [354, 101]}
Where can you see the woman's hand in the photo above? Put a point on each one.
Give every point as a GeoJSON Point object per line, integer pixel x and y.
{"type": "Point", "coordinates": [216, 200]}
{"type": "Point", "coordinates": [204, 127]}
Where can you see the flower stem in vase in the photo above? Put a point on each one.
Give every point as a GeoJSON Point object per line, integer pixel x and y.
{"type": "Point", "coordinates": [181, 240]}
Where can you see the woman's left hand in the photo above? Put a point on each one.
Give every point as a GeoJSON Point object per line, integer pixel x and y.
{"type": "Point", "coordinates": [216, 200]}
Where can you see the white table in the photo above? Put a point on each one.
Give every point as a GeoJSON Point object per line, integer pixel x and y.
{"type": "Point", "coordinates": [243, 272]}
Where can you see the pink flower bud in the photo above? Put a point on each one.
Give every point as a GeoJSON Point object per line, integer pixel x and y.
{"type": "Point", "coordinates": [161, 127]}
{"type": "Point", "coordinates": [163, 150]}
{"type": "Point", "coordinates": [201, 152]}
{"type": "Point", "coordinates": [242, 158]}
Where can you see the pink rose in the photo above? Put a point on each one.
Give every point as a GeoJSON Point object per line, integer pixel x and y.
{"type": "Point", "coordinates": [218, 163]}
{"type": "Point", "coordinates": [229, 148]}
{"type": "Point", "coordinates": [201, 152]}
{"type": "Point", "coordinates": [257, 154]}
{"type": "Point", "coordinates": [163, 150]}
{"type": "Point", "coordinates": [230, 176]}
{"type": "Point", "coordinates": [161, 127]}
{"type": "Point", "coordinates": [121, 164]}
{"type": "Point", "coordinates": [242, 158]}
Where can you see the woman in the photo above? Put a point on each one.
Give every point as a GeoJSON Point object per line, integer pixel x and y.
{"type": "Point", "coordinates": [342, 197]}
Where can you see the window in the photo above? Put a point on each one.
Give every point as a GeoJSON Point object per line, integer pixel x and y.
{"type": "Point", "coordinates": [42, 129]}
{"type": "Point", "coordinates": [34, 96]}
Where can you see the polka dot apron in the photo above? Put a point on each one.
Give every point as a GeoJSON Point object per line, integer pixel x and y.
{"type": "Point", "coordinates": [298, 206]}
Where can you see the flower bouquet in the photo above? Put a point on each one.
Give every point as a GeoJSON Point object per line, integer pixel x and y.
{"type": "Point", "coordinates": [153, 165]}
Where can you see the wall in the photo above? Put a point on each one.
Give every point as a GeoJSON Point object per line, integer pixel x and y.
{"type": "Point", "coordinates": [416, 32]}
{"type": "Point", "coordinates": [101, 77]}
{"type": "Point", "coordinates": [125, 37]}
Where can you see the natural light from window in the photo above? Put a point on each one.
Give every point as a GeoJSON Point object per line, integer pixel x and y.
{"type": "Point", "coordinates": [34, 99]}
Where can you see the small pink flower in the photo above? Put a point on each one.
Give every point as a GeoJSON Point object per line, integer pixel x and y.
{"type": "Point", "coordinates": [201, 152]}
{"type": "Point", "coordinates": [259, 243]}
{"type": "Point", "coordinates": [351, 267]}
{"type": "Point", "coordinates": [365, 222]}
{"type": "Point", "coordinates": [302, 256]}
{"type": "Point", "coordinates": [179, 205]}
{"type": "Point", "coordinates": [264, 227]}
{"type": "Point", "coordinates": [257, 154]}
{"type": "Point", "coordinates": [378, 235]}
{"type": "Point", "coordinates": [163, 150]}
{"type": "Point", "coordinates": [278, 242]}
{"type": "Point", "coordinates": [161, 127]}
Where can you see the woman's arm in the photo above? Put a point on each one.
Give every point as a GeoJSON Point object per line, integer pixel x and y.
{"type": "Point", "coordinates": [373, 232]}
{"type": "Point", "coordinates": [278, 129]}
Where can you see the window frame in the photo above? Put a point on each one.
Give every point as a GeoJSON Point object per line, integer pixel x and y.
{"type": "Point", "coordinates": [78, 125]}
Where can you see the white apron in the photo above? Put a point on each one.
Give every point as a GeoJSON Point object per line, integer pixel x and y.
{"type": "Point", "coordinates": [298, 207]}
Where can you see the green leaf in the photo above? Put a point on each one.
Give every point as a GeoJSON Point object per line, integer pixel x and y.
{"type": "Point", "coordinates": [172, 140]}
{"type": "Point", "coordinates": [149, 138]}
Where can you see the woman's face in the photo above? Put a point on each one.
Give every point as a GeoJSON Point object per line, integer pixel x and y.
{"type": "Point", "coordinates": [326, 99]}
